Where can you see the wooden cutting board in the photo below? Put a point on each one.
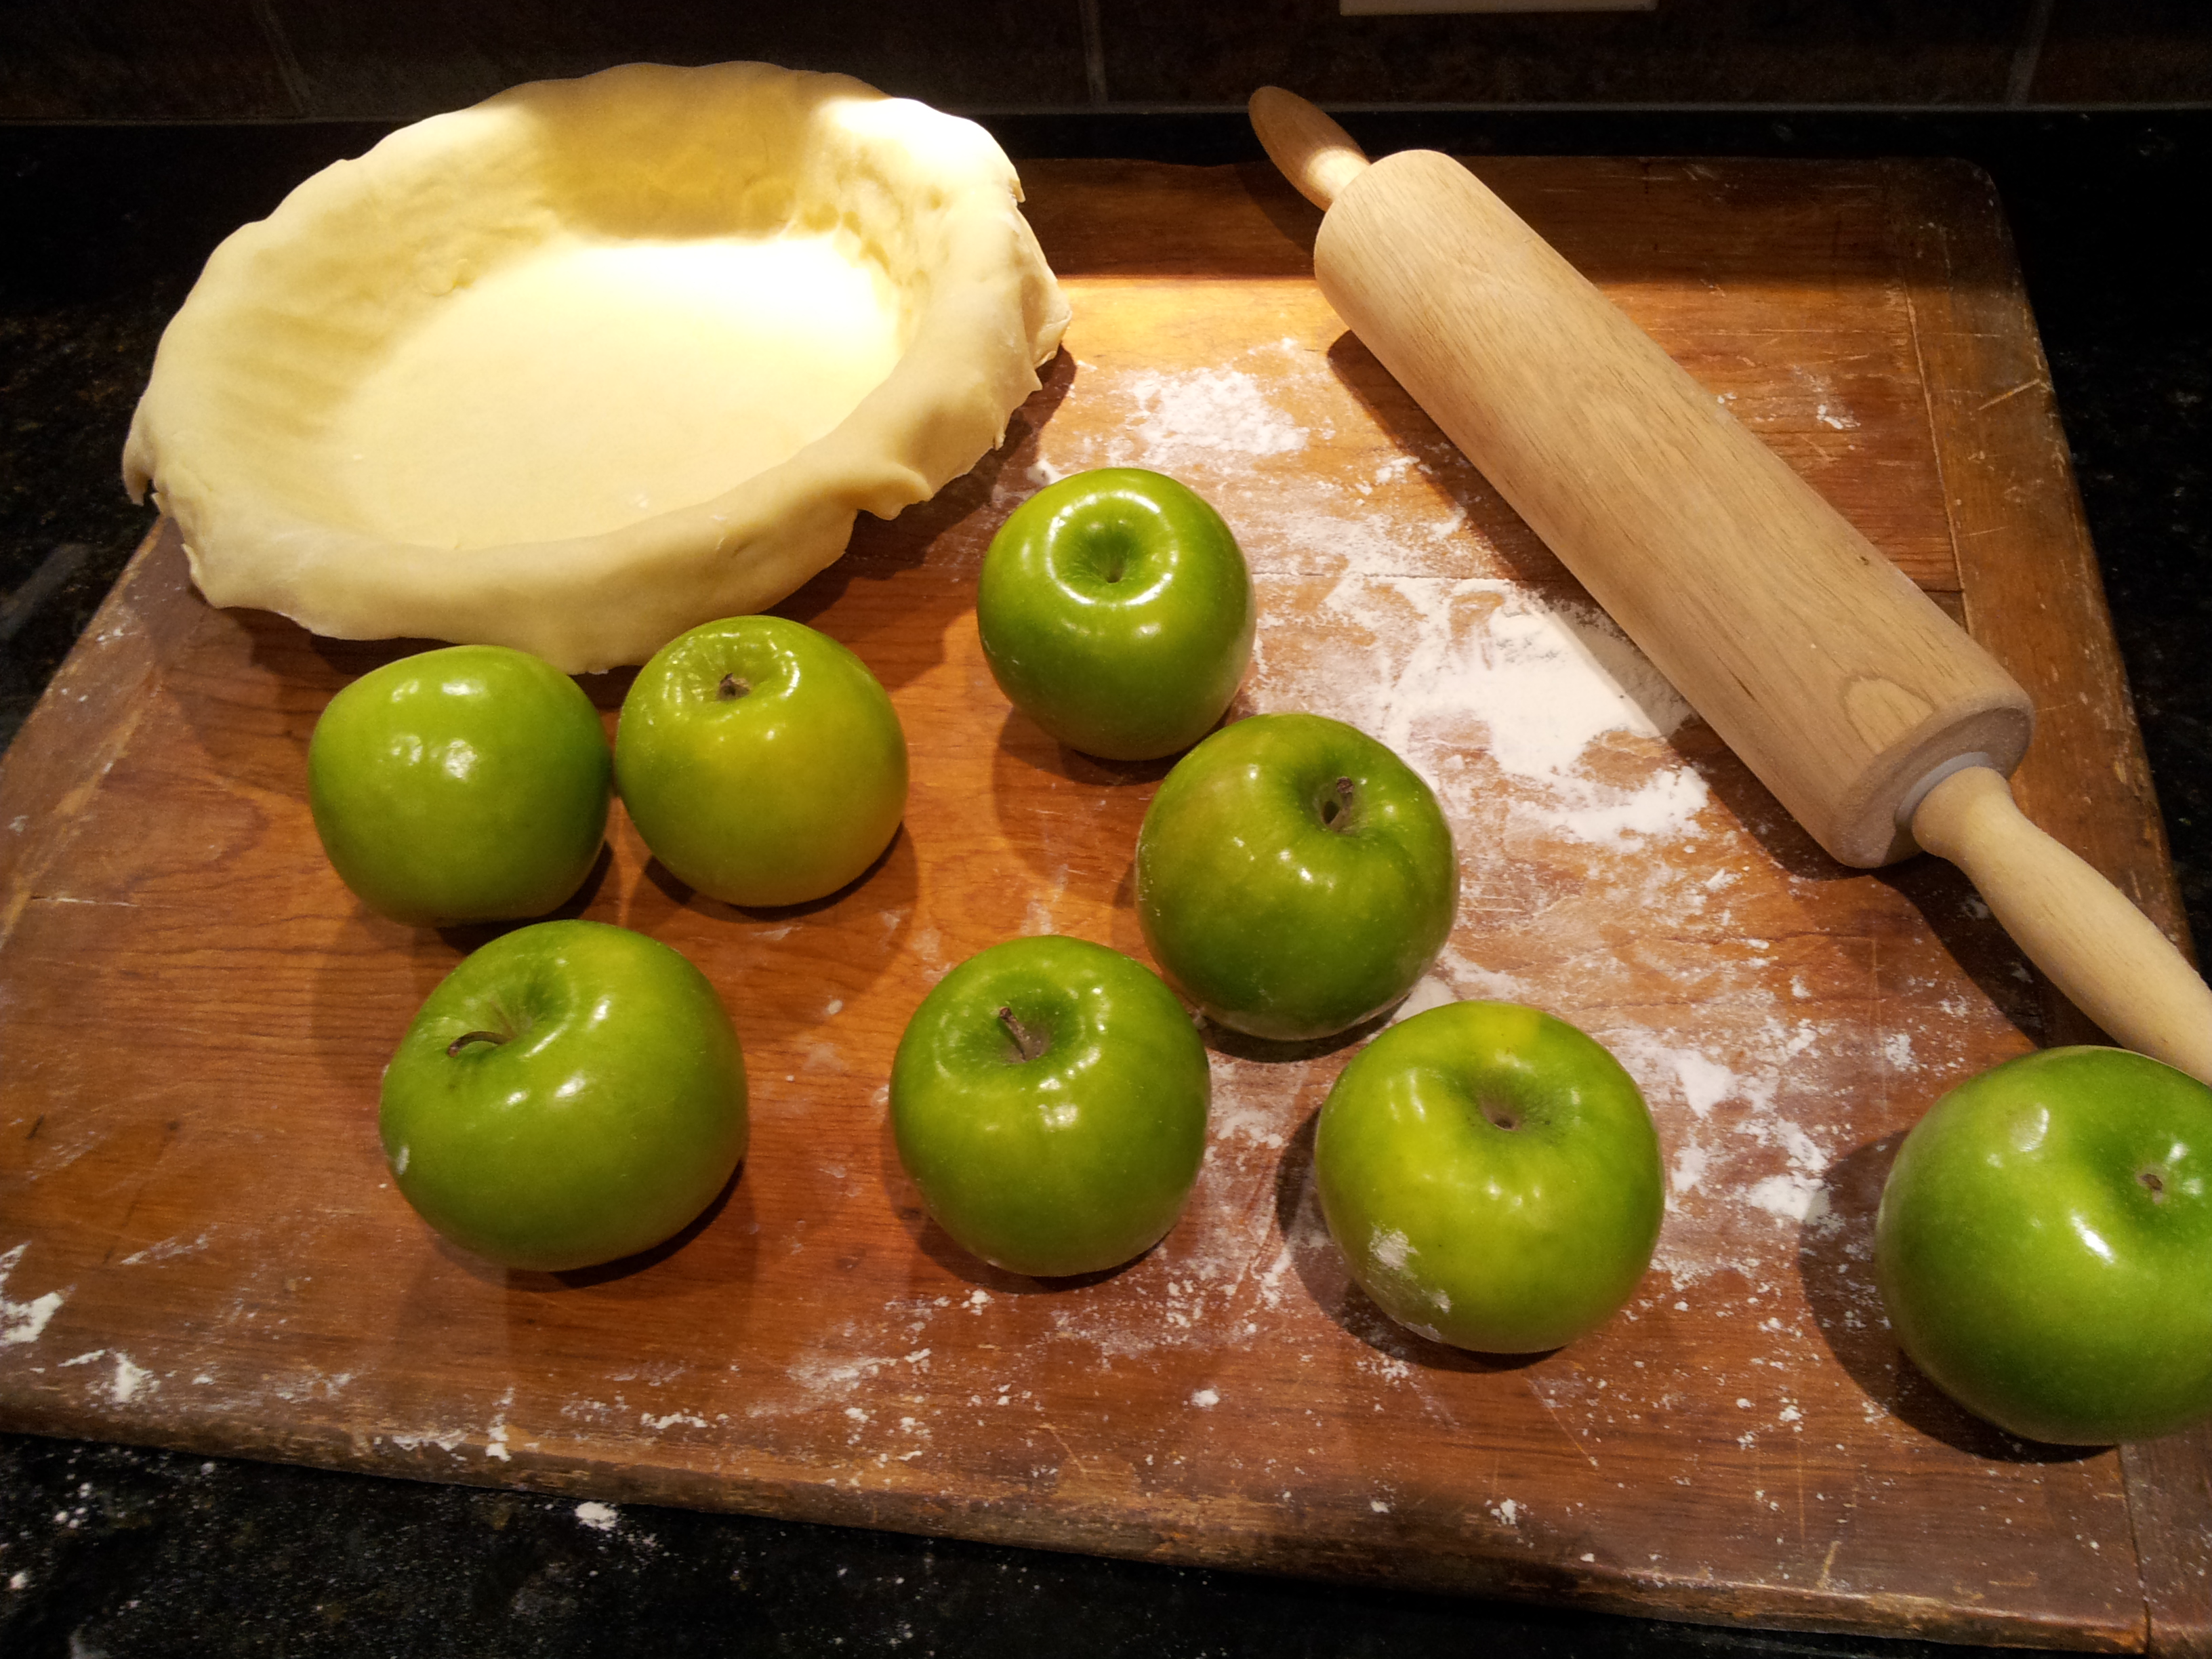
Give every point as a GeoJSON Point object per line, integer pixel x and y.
{"type": "Point", "coordinates": [200, 1247]}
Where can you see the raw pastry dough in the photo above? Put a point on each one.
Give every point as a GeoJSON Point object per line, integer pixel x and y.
{"type": "Point", "coordinates": [595, 360]}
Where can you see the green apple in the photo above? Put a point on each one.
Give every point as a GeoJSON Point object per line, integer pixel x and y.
{"type": "Point", "coordinates": [1116, 612]}
{"type": "Point", "coordinates": [2044, 1246]}
{"type": "Point", "coordinates": [572, 1093]}
{"type": "Point", "coordinates": [468, 784]}
{"type": "Point", "coordinates": [761, 761]}
{"type": "Point", "coordinates": [1294, 877]}
{"type": "Point", "coordinates": [1049, 1097]}
{"type": "Point", "coordinates": [1492, 1175]}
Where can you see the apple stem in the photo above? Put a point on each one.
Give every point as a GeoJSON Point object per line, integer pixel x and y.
{"type": "Point", "coordinates": [731, 688]}
{"type": "Point", "coordinates": [467, 1037]}
{"type": "Point", "coordinates": [1027, 1043]}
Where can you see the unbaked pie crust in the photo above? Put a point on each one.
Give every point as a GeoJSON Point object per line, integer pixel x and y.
{"type": "Point", "coordinates": [595, 360]}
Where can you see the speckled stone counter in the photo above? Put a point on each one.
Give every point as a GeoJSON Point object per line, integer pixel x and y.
{"type": "Point", "coordinates": [123, 1551]}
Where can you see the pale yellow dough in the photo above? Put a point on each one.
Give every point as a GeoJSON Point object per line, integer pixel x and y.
{"type": "Point", "coordinates": [595, 360]}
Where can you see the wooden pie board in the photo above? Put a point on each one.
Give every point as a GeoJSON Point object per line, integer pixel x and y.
{"type": "Point", "coordinates": [201, 1248]}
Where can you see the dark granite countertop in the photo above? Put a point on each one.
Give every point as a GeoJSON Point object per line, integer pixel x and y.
{"type": "Point", "coordinates": [120, 1551]}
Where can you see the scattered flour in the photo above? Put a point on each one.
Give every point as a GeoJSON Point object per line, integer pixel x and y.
{"type": "Point", "coordinates": [599, 1517]}
{"type": "Point", "coordinates": [167, 1249]}
{"type": "Point", "coordinates": [1722, 1125]}
{"type": "Point", "coordinates": [1484, 665]}
{"type": "Point", "coordinates": [129, 1381]}
{"type": "Point", "coordinates": [1706, 1082]}
{"type": "Point", "coordinates": [1212, 413]}
{"type": "Point", "coordinates": [1207, 423]}
{"type": "Point", "coordinates": [1786, 1197]}
{"type": "Point", "coordinates": [1688, 1169]}
{"type": "Point", "coordinates": [1390, 1249]}
{"type": "Point", "coordinates": [23, 1321]}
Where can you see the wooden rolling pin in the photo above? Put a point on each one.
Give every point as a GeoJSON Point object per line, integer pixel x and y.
{"type": "Point", "coordinates": [1866, 710]}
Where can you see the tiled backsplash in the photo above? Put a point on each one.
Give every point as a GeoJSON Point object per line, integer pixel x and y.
{"type": "Point", "coordinates": [111, 60]}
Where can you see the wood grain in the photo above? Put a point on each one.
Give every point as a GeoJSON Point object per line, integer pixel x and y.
{"type": "Point", "coordinates": [200, 1249]}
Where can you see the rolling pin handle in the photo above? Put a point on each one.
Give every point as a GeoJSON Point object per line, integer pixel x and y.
{"type": "Point", "coordinates": [2109, 958]}
{"type": "Point", "coordinates": [1314, 153]}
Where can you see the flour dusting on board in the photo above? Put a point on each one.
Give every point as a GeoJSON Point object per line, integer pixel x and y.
{"type": "Point", "coordinates": [1602, 879]}
{"type": "Point", "coordinates": [23, 1321]}
{"type": "Point", "coordinates": [1222, 410]}
{"type": "Point", "coordinates": [1199, 424]}
{"type": "Point", "coordinates": [1544, 680]}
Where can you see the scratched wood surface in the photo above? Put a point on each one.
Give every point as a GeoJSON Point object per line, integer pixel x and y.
{"type": "Point", "coordinates": [199, 1247]}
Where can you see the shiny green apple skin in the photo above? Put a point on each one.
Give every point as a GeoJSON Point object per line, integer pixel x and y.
{"type": "Point", "coordinates": [571, 1094]}
{"type": "Point", "coordinates": [1074, 1160]}
{"type": "Point", "coordinates": [1116, 611]}
{"type": "Point", "coordinates": [1294, 877]}
{"type": "Point", "coordinates": [467, 784]}
{"type": "Point", "coordinates": [1500, 1239]}
{"type": "Point", "coordinates": [2044, 1246]}
{"type": "Point", "coordinates": [761, 761]}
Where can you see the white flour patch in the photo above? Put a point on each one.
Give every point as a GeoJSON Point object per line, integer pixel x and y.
{"type": "Point", "coordinates": [24, 1321]}
{"type": "Point", "coordinates": [1390, 1249]}
{"type": "Point", "coordinates": [599, 1517]}
{"type": "Point", "coordinates": [1828, 408]}
{"type": "Point", "coordinates": [1721, 1125]}
{"type": "Point", "coordinates": [1543, 688]}
{"type": "Point", "coordinates": [1337, 541]}
{"type": "Point", "coordinates": [1705, 1083]}
{"type": "Point", "coordinates": [1784, 1197]}
{"type": "Point", "coordinates": [1469, 980]}
{"type": "Point", "coordinates": [1210, 413]}
{"type": "Point", "coordinates": [1248, 1106]}
{"type": "Point", "coordinates": [1213, 421]}
{"type": "Point", "coordinates": [308, 1384]}
{"type": "Point", "coordinates": [167, 1249]}
{"type": "Point", "coordinates": [821, 1376]}
{"type": "Point", "coordinates": [658, 1375]}
{"type": "Point", "coordinates": [1689, 1169]}
{"type": "Point", "coordinates": [129, 1381]}
{"type": "Point", "coordinates": [1206, 1400]}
